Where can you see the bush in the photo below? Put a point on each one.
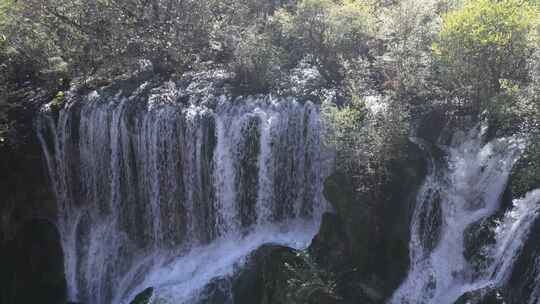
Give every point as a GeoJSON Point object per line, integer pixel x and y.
{"type": "Point", "coordinates": [326, 31]}
{"type": "Point", "coordinates": [485, 43]}
{"type": "Point", "coordinates": [408, 29]}
{"type": "Point", "coordinates": [256, 62]}
{"type": "Point", "coordinates": [343, 127]}
{"type": "Point", "coordinates": [368, 134]}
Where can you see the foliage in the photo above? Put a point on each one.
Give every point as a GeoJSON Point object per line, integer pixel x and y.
{"type": "Point", "coordinates": [58, 100]}
{"type": "Point", "coordinates": [408, 29]}
{"type": "Point", "coordinates": [523, 118]}
{"type": "Point", "coordinates": [343, 125]}
{"type": "Point", "coordinates": [516, 109]}
{"type": "Point", "coordinates": [526, 174]}
{"type": "Point", "coordinates": [411, 54]}
{"type": "Point", "coordinates": [256, 62]}
{"type": "Point", "coordinates": [369, 133]}
{"type": "Point", "coordinates": [144, 296]}
{"type": "Point", "coordinates": [485, 43]}
{"type": "Point", "coordinates": [326, 31]}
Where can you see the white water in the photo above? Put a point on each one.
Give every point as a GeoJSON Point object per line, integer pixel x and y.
{"type": "Point", "coordinates": [468, 190]}
{"type": "Point", "coordinates": [154, 193]}
{"type": "Point", "coordinates": [179, 280]}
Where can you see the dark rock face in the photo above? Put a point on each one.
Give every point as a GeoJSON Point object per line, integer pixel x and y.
{"type": "Point", "coordinates": [526, 172]}
{"type": "Point", "coordinates": [432, 221]}
{"type": "Point", "coordinates": [329, 247]}
{"type": "Point", "coordinates": [23, 184]}
{"type": "Point", "coordinates": [482, 296]}
{"type": "Point", "coordinates": [370, 233]}
{"type": "Point", "coordinates": [32, 266]}
{"type": "Point", "coordinates": [218, 291]}
{"type": "Point", "coordinates": [522, 280]}
{"type": "Point", "coordinates": [432, 125]}
{"type": "Point", "coordinates": [143, 297]}
{"type": "Point", "coordinates": [281, 275]}
{"type": "Point", "coordinates": [30, 251]}
{"type": "Point", "coordinates": [391, 256]}
{"type": "Point", "coordinates": [478, 236]}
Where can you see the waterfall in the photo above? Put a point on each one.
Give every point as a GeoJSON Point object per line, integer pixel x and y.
{"type": "Point", "coordinates": [466, 191]}
{"type": "Point", "coordinates": [157, 193]}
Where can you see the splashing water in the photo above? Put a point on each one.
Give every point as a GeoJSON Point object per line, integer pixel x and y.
{"type": "Point", "coordinates": [450, 200]}
{"type": "Point", "coordinates": [180, 280]}
{"type": "Point", "coordinates": [154, 193]}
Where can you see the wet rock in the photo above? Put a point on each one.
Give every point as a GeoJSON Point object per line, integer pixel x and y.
{"type": "Point", "coordinates": [352, 214]}
{"type": "Point", "coordinates": [478, 238]}
{"type": "Point", "coordinates": [523, 281]}
{"type": "Point", "coordinates": [366, 243]}
{"type": "Point", "coordinates": [280, 275]}
{"type": "Point", "coordinates": [432, 125]}
{"type": "Point", "coordinates": [23, 182]}
{"type": "Point", "coordinates": [525, 175]}
{"type": "Point", "coordinates": [432, 217]}
{"type": "Point", "coordinates": [144, 297]}
{"type": "Point", "coordinates": [482, 296]}
{"type": "Point", "coordinates": [218, 291]}
{"type": "Point", "coordinates": [355, 287]}
{"type": "Point", "coordinates": [330, 247]}
{"type": "Point", "coordinates": [32, 266]}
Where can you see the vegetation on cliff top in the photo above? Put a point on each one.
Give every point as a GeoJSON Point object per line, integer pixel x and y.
{"type": "Point", "coordinates": [464, 56]}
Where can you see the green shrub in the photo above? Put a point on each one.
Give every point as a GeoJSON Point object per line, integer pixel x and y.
{"type": "Point", "coordinates": [256, 62]}
{"type": "Point", "coordinates": [486, 43]}
{"type": "Point", "coordinates": [326, 31]}
{"type": "Point", "coordinates": [368, 134]}
{"type": "Point", "coordinates": [343, 126]}
{"type": "Point", "coordinates": [58, 101]}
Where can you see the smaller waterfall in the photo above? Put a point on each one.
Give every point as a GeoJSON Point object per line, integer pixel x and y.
{"type": "Point", "coordinates": [511, 235]}
{"type": "Point", "coordinates": [452, 199]}
{"type": "Point", "coordinates": [155, 192]}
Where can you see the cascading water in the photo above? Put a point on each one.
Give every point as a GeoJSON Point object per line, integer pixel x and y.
{"type": "Point", "coordinates": [452, 199]}
{"type": "Point", "coordinates": [153, 192]}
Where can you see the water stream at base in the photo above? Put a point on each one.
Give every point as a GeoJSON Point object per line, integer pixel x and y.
{"type": "Point", "coordinates": [181, 279]}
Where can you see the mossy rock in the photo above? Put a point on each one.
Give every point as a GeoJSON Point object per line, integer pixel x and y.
{"type": "Point", "coordinates": [432, 124]}
{"type": "Point", "coordinates": [478, 237]}
{"type": "Point", "coordinates": [353, 215]}
{"type": "Point", "coordinates": [281, 275]}
{"type": "Point", "coordinates": [390, 231]}
{"type": "Point", "coordinates": [525, 175]}
{"type": "Point", "coordinates": [482, 296]}
{"type": "Point", "coordinates": [144, 297]}
{"type": "Point", "coordinates": [58, 101]}
{"type": "Point", "coordinates": [330, 247]}
{"type": "Point", "coordinates": [218, 291]}
{"type": "Point", "coordinates": [373, 226]}
{"type": "Point", "coordinates": [432, 219]}
{"type": "Point", "coordinates": [520, 285]}
{"type": "Point", "coordinates": [32, 265]}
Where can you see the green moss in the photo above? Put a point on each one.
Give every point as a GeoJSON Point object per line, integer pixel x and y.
{"type": "Point", "coordinates": [281, 275]}
{"type": "Point", "coordinates": [478, 237]}
{"type": "Point", "coordinates": [526, 174]}
{"type": "Point", "coordinates": [354, 212]}
{"type": "Point", "coordinates": [58, 101]}
{"type": "Point", "coordinates": [144, 297]}
{"type": "Point", "coordinates": [481, 296]}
